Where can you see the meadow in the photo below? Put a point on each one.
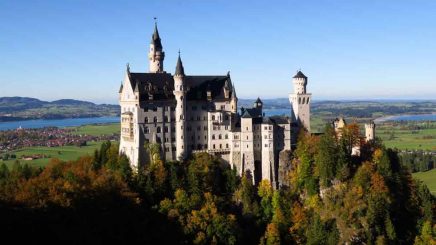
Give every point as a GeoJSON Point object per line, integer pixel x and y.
{"type": "Point", "coordinates": [64, 153]}
{"type": "Point", "coordinates": [407, 138]}
{"type": "Point", "coordinates": [429, 178]}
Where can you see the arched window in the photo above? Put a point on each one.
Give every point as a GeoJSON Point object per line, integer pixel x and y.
{"type": "Point", "coordinates": [219, 136]}
{"type": "Point", "coordinates": [155, 119]}
{"type": "Point", "coordinates": [226, 137]}
{"type": "Point", "coordinates": [213, 118]}
{"type": "Point", "coordinates": [307, 101]}
{"type": "Point", "coordinates": [304, 100]}
{"type": "Point", "coordinates": [146, 119]}
{"type": "Point", "coordinates": [299, 100]}
{"type": "Point", "coordinates": [213, 136]}
{"type": "Point", "coordinates": [158, 129]}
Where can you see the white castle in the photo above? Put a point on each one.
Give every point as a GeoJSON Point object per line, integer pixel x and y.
{"type": "Point", "coordinates": [186, 114]}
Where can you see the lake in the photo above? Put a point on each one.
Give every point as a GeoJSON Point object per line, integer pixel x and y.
{"type": "Point", "coordinates": [420, 117]}
{"type": "Point", "coordinates": [70, 122]}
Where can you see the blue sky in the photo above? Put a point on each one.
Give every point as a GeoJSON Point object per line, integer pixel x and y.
{"type": "Point", "coordinates": [349, 49]}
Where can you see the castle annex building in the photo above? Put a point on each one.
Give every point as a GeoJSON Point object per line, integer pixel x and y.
{"type": "Point", "coordinates": [186, 114]}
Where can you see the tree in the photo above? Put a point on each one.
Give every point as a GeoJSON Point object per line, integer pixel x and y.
{"type": "Point", "coordinates": [326, 156]}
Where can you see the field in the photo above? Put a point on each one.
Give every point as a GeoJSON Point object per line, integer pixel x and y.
{"type": "Point", "coordinates": [429, 178]}
{"type": "Point", "coordinates": [64, 153]}
{"type": "Point", "coordinates": [395, 136]}
{"type": "Point", "coordinates": [97, 129]}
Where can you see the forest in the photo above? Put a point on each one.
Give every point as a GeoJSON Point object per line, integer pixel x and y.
{"type": "Point", "coordinates": [330, 197]}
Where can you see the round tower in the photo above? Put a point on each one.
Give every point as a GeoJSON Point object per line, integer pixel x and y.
{"type": "Point", "coordinates": [370, 131]}
{"type": "Point", "coordinates": [300, 82]}
{"type": "Point", "coordinates": [156, 55]}
{"type": "Point", "coordinates": [180, 95]}
{"type": "Point", "coordinates": [300, 101]}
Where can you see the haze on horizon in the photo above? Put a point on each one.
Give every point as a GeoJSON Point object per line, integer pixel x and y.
{"type": "Point", "coordinates": [349, 49]}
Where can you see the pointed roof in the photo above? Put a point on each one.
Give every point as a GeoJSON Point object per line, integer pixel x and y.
{"type": "Point", "coordinates": [300, 75]}
{"type": "Point", "coordinates": [136, 87]}
{"type": "Point", "coordinates": [155, 39]}
{"type": "Point", "coordinates": [179, 67]}
{"type": "Point", "coordinates": [246, 114]}
{"type": "Point", "coordinates": [258, 100]}
{"type": "Point", "coordinates": [121, 88]}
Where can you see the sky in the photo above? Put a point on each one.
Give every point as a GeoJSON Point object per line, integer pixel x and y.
{"type": "Point", "coordinates": [363, 49]}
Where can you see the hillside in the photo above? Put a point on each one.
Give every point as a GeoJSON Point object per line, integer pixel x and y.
{"type": "Point", "coordinates": [24, 108]}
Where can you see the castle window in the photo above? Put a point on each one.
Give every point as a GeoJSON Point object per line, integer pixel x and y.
{"type": "Point", "coordinates": [223, 107]}
{"type": "Point", "coordinates": [227, 145]}
{"type": "Point", "coordinates": [205, 128]}
{"type": "Point", "coordinates": [146, 119]}
{"type": "Point", "coordinates": [198, 147]}
{"type": "Point", "coordinates": [166, 129]}
{"type": "Point", "coordinates": [226, 137]}
{"type": "Point", "coordinates": [166, 118]}
{"type": "Point", "coordinates": [213, 146]}
{"type": "Point", "coordinates": [247, 137]}
{"type": "Point", "coordinates": [307, 101]}
{"type": "Point", "coordinates": [247, 145]}
{"type": "Point", "coordinates": [213, 136]}
{"type": "Point", "coordinates": [213, 118]}
{"type": "Point", "coordinates": [158, 129]}
{"type": "Point", "coordinates": [146, 130]}
{"type": "Point", "coordinates": [167, 149]}
{"type": "Point", "coordinates": [219, 136]}
{"type": "Point", "coordinates": [299, 100]}
{"type": "Point", "coordinates": [221, 146]}
{"type": "Point", "coordinates": [155, 119]}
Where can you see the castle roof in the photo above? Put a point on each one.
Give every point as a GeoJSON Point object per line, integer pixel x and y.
{"type": "Point", "coordinates": [179, 67]}
{"type": "Point", "coordinates": [258, 100]}
{"type": "Point", "coordinates": [155, 39]}
{"type": "Point", "coordinates": [300, 75]}
{"type": "Point", "coordinates": [161, 85]}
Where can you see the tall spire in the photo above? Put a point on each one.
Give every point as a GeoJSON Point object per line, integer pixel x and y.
{"type": "Point", "coordinates": [179, 67]}
{"type": "Point", "coordinates": [155, 39]}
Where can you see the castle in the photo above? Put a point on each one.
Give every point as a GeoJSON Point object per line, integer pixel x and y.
{"type": "Point", "coordinates": [186, 114]}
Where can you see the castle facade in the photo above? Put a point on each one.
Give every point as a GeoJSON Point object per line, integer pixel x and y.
{"type": "Point", "coordinates": [185, 114]}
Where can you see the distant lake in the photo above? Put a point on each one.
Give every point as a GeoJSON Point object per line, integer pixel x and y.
{"type": "Point", "coordinates": [420, 117]}
{"type": "Point", "coordinates": [71, 122]}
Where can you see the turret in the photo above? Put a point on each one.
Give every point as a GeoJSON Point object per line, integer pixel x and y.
{"type": "Point", "coordinates": [300, 82]}
{"type": "Point", "coordinates": [300, 101]}
{"type": "Point", "coordinates": [258, 104]}
{"type": "Point", "coordinates": [180, 95]}
{"type": "Point", "coordinates": [234, 100]}
{"type": "Point", "coordinates": [156, 55]}
{"type": "Point", "coordinates": [370, 131]}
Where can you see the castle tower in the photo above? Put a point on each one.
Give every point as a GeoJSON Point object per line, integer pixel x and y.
{"type": "Point", "coordinates": [370, 131]}
{"type": "Point", "coordinates": [234, 100]}
{"type": "Point", "coordinates": [156, 55]}
{"type": "Point", "coordinates": [300, 101]}
{"type": "Point", "coordinates": [180, 94]}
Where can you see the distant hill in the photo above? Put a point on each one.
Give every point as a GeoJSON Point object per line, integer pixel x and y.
{"type": "Point", "coordinates": [25, 108]}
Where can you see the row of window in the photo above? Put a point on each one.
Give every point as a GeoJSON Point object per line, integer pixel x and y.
{"type": "Point", "coordinates": [304, 101]}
